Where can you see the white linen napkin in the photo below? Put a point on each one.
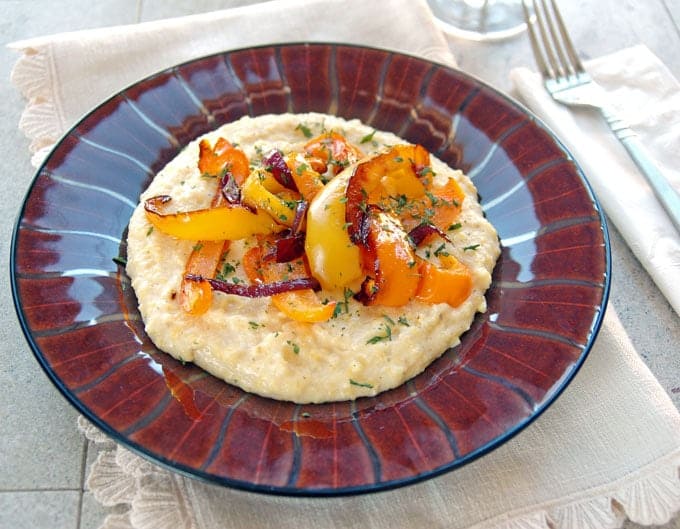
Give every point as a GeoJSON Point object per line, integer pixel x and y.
{"type": "Point", "coordinates": [647, 96]}
{"type": "Point", "coordinates": [608, 448]}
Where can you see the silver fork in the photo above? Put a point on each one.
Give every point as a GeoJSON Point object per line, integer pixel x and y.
{"type": "Point", "coordinates": [568, 82]}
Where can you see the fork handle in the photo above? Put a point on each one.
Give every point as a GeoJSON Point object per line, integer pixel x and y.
{"type": "Point", "coordinates": [664, 192]}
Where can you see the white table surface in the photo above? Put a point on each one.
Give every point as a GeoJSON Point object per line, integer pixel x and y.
{"type": "Point", "coordinates": [43, 457]}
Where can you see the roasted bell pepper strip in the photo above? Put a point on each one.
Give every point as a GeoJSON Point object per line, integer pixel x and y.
{"type": "Point", "coordinates": [451, 283]}
{"type": "Point", "coordinates": [214, 161]}
{"type": "Point", "coordinates": [333, 258]}
{"type": "Point", "coordinates": [331, 149]}
{"type": "Point", "coordinates": [303, 306]}
{"type": "Point", "coordinates": [390, 180]}
{"type": "Point", "coordinates": [389, 262]}
{"type": "Point", "coordinates": [257, 196]}
{"type": "Point", "coordinates": [307, 180]}
{"type": "Point", "coordinates": [211, 224]}
{"type": "Point", "coordinates": [440, 207]}
{"type": "Point", "coordinates": [300, 305]}
{"type": "Point", "coordinates": [195, 297]}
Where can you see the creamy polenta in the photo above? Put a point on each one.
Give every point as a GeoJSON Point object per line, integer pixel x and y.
{"type": "Point", "coordinates": [362, 349]}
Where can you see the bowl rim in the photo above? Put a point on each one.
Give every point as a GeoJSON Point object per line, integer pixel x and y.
{"type": "Point", "coordinates": [187, 471]}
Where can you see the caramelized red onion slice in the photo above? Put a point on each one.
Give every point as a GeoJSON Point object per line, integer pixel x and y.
{"type": "Point", "coordinates": [230, 188]}
{"type": "Point", "coordinates": [276, 165]}
{"type": "Point", "coordinates": [422, 231]}
{"type": "Point", "coordinates": [300, 214]}
{"type": "Point", "coordinates": [286, 248]}
{"type": "Point", "coordinates": [156, 204]}
{"type": "Point", "coordinates": [258, 290]}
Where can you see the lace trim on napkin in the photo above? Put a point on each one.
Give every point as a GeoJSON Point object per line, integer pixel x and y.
{"type": "Point", "coordinates": [41, 119]}
{"type": "Point", "coordinates": [157, 499]}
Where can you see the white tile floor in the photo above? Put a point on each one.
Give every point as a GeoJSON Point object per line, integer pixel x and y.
{"type": "Point", "coordinates": [43, 458]}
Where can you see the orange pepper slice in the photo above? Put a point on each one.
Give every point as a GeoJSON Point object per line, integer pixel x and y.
{"type": "Point", "coordinates": [303, 306]}
{"type": "Point", "coordinates": [451, 284]}
{"type": "Point", "coordinates": [384, 180]}
{"type": "Point", "coordinates": [440, 207]}
{"type": "Point", "coordinates": [331, 148]}
{"type": "Point", "coordinates": [307, 180]}
{"type": "Point", "coordinates": [299, 305]}
{"type": "Point", "coordinates": [387, 196]}
{"type": "Point", "coordinates": [389, 261]}
{"type": "Point", "coordinates": [195, 297]}
{"type": "Point", "coordinates": [213, 161]}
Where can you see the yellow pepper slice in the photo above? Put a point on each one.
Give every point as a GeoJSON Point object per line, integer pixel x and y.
{"type": "Point", "coordinates": [211, 224]}
{"type": "Point", "coordinates": [257, 196]}
{"type": "Point", "coordinates": [333, 259]}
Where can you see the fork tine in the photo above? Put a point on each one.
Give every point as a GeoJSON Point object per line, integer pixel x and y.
{"type": "Point", "coordinates": [546, 70]}
{"type": "Point", "coordinates": [566, 40]}
{"type": "Point", "coordinates": [558, 39]}
{"type": "Point", "coordinates": [542, 20]}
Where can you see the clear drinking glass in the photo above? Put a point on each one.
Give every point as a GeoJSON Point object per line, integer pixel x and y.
{"type": "Point", "coordinates": [479, 19]}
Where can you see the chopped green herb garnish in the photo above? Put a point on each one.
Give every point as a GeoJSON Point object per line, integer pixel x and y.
{"type": "Point", "coordinates": [441, 250]}
{"type": "Point", "coordinates": [455, 226]}
{"type": "Point", "coordinates": [149, 231]}
{"type": "Point", "coordinates": [197, 247]}
{"type": "Point", "coordinates": [254, 325]}
{"type": "Point", "coordinates": [120, 260]}
{"type": "Point", "coordinates": [381, 337]}
{"type": "Point", "coordinates": [388, 319]}
{"type": "Point", "coordinates": [294, 346]}
{"type": "Point", "coordinates": [471, 247]}
{"type": "Point", "coordinates": [368, 137]}
{"type": "Point", "coordinates": [337, 310]}
{"type": "Point", "coordinates": [360, 384]}
{"type": "Point", "coordinates": [403, 321]}
{"type": "Point", "coordinates": [304, 129]}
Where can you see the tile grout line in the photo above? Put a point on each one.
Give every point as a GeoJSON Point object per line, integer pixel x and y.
{"type": "Point", "coordinates": [138, 14]}
{"type": "Point", "coordinates": [83, 472]}
{"type": "Point", "coordinates": [30, 491]}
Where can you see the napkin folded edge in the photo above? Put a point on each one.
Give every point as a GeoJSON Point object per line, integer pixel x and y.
{"type": "Point", "coordinates": [660, 258]}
